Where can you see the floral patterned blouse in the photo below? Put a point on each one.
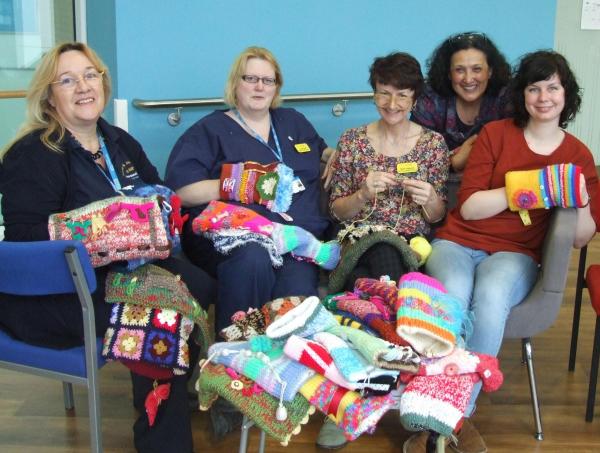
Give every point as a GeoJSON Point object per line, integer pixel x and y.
{"type": "Point", "coordinates": [356, 155]}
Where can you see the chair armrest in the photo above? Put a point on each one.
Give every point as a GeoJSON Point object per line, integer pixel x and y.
{"type": "Point", "coordinates": [556, 252]}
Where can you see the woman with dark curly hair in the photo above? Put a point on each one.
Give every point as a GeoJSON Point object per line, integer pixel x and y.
{"type": "Point", "coordinates": [487, 253]}
{"type": "Point", "coordinates": [466, 88]}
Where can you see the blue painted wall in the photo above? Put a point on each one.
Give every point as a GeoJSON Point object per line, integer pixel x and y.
{"type": "Point", "coordinates": [184, 48]}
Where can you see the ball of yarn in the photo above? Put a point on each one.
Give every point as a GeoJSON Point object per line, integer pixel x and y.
{"type": "Point", "coordinates": [421, 247]}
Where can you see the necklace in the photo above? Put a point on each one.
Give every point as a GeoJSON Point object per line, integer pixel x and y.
{"type": "Point", "coordinates": [98, 154]}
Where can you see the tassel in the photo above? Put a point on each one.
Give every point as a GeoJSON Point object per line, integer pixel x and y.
{"type": "Point", "coordinates": [158, 394]}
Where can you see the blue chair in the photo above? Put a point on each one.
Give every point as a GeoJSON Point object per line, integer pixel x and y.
{"type": "Point", "coordinates": [55, 267]}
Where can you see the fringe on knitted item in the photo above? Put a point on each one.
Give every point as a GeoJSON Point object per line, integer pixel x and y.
{"type": "Point", "coordinates": [258, 405]}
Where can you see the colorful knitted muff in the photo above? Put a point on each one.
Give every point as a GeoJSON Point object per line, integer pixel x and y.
{"type": "Point", "coordinates": [157, 337]}
{"type": "Point", "coordinates": [264, 363]}
{"type": "Point", "coordinates": [554, 185]}
{"type": "Point", "coordinates": [352, 413]}
{"type": "Point", "coordinates": [304, 320]}
{"type": "Point", "coordinates": [230, 226]}
{"type": "Point", "coordinates": [356, 240]}
{"type": "Point", "coordinates": [250, 182]}
{"type": "Point", "coordinates": [260, 407]}
{"type": "Point", "coordinates": [254, 322]}
{"type": "Point", "coordinates": [115, 229]}
{"type": "Point", "coordinates": [151, 286]}
{"type": "Point", "coordinates": [428, 318]}
{"type": "Point", "coordinates": [436, 403]}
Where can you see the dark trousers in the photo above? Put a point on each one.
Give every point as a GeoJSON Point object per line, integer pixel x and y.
{"type": "Point", "coordinates": [380, 259]}
{"type": "Point", "coordinates": [56, 321]}
{"type": "Point", "coordinates": [246, 277]}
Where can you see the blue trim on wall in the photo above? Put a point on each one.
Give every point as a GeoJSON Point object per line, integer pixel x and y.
{"type": "Point", "coordinates": [184, 48]}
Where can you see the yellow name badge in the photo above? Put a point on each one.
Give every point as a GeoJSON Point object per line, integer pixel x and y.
{"type": "Point", "coordinates": [407, 167]}
{"type": "Point", "coordinates": [302, 147]}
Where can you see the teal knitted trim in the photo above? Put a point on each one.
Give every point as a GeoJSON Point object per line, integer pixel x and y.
{"type": "Point", "coordinates": [351, 253]}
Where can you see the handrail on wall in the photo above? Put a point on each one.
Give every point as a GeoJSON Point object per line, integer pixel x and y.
{"type": "Point", "coordinates": [174, 118]}
{"type": "Point", "coordinates": [13, 94]}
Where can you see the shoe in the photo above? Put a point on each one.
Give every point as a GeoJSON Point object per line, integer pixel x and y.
{"type": "Point", "coordinates": [224, 418]}
{"type": "Point", "coordinates": [331, 436]}
{"type": "Point", "coordinates": [469, 440]}
{"type": "Point", "coordinates": [417, 443]}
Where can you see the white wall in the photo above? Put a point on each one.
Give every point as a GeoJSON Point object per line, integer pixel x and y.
{"type": "Point", "coordinates": [582, 49]}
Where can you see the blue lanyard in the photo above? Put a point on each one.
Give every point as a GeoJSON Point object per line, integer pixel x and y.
{"type": "Point", "coordinates": [113, 180]}
{"type": "Point", "coordinates": [277, 152]}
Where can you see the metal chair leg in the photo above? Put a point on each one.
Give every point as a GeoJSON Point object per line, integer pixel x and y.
{"type": "Point", "coordinates": [261, 445]}
{"type": "Point", "coordinates": [246, 425]}
{"type": "Point", "coordinates": [539, 435]}
{"type": "Point", "coordinates": [577, 308]}
{"type": "Point", "coordinates": [68, 395]}
{"type": "Point", "coordinates": [591, 399]}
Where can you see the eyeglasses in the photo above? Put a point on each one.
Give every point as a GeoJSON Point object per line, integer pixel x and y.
{"type": "Point", "coordinates": [69, 82]}
{"type": "Point", "coordinates": [383, 98]}
{"type": "Point", "coordinates": [468, 36]}
{"type": "Point", "coordinates": [269, 81]}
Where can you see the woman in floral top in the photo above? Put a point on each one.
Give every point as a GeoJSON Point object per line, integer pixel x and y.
{"type": "Point", "coordinates": [466, 88]}
{"type": "Point", "coordinates": [390, 173]}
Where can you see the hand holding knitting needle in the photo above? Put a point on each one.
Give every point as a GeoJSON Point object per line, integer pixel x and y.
{"type": "Point", "coordinates": [423, 194]}
{"type": "Point", "coordinates": [377, 182]}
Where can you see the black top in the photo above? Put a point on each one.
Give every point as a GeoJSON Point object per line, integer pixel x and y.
{"type": "Point", "coordinates": [36, 181]}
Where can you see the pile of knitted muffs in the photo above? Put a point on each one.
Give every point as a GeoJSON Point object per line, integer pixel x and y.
{"type": "Point", "coordinates": [347, 374]}
{"type": "Point", "coordinates": [433, 322]}
{"type": "Point", "coordinates": [152, 318]}
{"type": "Point", "coordinates": [419, 313]}
{"type": "Point", "coordinates": [230, 226]}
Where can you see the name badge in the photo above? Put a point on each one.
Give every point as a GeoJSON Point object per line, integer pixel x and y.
{"type": "Point", "coordinates": [297, 185]}
{"type": "Point", "coordinates": [407, 167]}
{"type": "Point", "coordinates": [302, 147]}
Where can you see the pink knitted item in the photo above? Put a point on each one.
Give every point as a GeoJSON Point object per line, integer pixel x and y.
{"type": "Point", "coordinates": [218, 216]}
{"type": "Point", "coordinates": [352, 413]}
{"type": "Point", "coordinates": [386, 290]}
{"type": "Point", "coordinates": [436, 403]}
{"type": "Point", "coordinates": [465, 362]}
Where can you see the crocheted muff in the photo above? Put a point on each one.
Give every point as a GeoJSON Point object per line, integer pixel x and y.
{"type": "Point", "coordinates": [115, 229]}
{"type": "Point", "coordinates": [154, 287]}
{"type": "Point", "coordinates": [151, 335]}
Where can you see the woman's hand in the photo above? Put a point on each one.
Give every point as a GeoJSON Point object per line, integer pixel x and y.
{"type": "Point", "coordinates": [423, 194]}
{"type": "Point", "coordinates": [329, 155]}
{"type": "Point", "coordinates": [376, 182]}
{"type": "Point", "coordinates": [461, 154]}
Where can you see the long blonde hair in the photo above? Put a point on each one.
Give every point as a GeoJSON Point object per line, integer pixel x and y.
{"type": "Point", "coordinates": [238, 68]}
{"type": "Point", "coordinates": [40, 115]}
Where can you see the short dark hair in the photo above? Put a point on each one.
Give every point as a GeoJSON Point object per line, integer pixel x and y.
{"type": "Point", "coordinates": [541, 65]}
{"type": "Point", "coordinates": [398, 69]}
{"type": "Point", "coordinates": [438, 63]}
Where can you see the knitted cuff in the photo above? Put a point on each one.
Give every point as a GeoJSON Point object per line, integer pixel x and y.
{"type": "Point", "coordinates": [553, 185]}
{"type": "Point", "coordinates": [353, 414]}
{"type": "Point", "coordinates": [465, 362]}
{"type": "Point", "coordinates": [259, 406]}
{"type": "Point", "coordinates": [435, 403]}
{"type": "Point", "coordinates": [428, 319]}
{"type": "Point", "coordinates": [379, 352]}
{"type": "Point", "coordinates": [304, 320]}
{"type": "Point", "coordinates": [302, 243]}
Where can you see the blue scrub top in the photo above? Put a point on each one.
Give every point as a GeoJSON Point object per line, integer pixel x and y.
{"type": "Point", "coordinates": [217, 138]}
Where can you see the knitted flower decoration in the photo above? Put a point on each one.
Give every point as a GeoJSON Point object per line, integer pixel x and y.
{"type": "Point", "coordinates": [524, 199]}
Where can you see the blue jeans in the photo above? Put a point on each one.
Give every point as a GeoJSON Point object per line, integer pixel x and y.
{"type": "Point", "coordinates": [489, 285]}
